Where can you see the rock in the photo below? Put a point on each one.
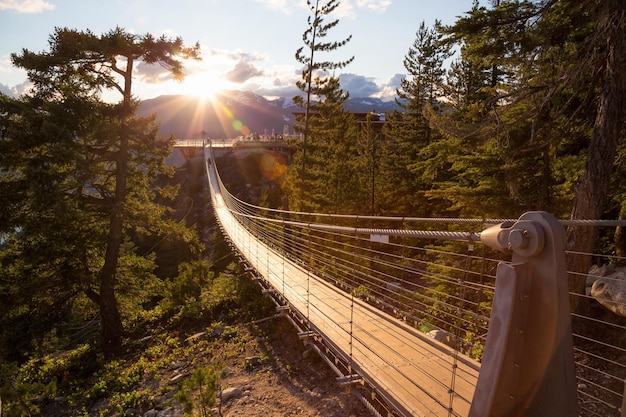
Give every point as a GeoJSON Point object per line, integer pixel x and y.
{"type": "Point", "coordinates": [252, 362]}
{"type": "Point", "coordinates": [226, 372]}
{"type": "Point", "coordinates": [177, 365]}
{"type": "Point", "coordinates": [223, 332]}
{"type": "Point", "coordinates": [610, 291]}
{"type": "Point", "coordinates": [596, 272]}
{"type": "Point", "coordinates": [442, 336]}
{"type": "Point", "coordinates": [230, 393]}
{"type": "Point", "coordinates": [176, 379]}
{"type": "Point", "coordinates": [601, 271]}
{"type": "Point", "coordinates": [167, 412]}
{"type": "Point", "coordinates": [217, 332]}
{"type": "Point", "coordinates": [151, 413]}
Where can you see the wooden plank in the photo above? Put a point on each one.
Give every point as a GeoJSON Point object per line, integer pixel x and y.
{"type": "Point", "coordinates": [414, 372]}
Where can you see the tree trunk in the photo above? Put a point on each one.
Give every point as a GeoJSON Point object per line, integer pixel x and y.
{"type": "Point", "coordinates": [591, 192]}
{"type": "Point", "coordinates": [619, 239]}
{"type": "Point", "coordinates": [543, 194]}
{"type": "Point", "coordinates": [112, 329]}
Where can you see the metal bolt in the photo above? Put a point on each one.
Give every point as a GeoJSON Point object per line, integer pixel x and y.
{"type": "Point", "coordinates": [518, 239]}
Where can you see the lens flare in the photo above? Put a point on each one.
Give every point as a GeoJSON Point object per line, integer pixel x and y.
{"type": "Point", "coordinates": [272, 165]}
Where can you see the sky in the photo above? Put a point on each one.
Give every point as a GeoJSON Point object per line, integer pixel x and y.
{"type": "Point", "coordinates": [245, 44]}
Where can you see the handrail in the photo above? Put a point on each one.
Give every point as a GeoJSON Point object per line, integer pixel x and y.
{"type": "Point", "coordinates": [401, 285]}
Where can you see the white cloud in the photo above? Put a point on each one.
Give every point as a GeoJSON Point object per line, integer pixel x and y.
{"type": "Point", "coordinates": [6, 90]}
{"type": "Point", "coordinates": [285, 6]}
{"type": "Point", "coordinates": [388, 90]}
{"type": "Point", "coordinates": [26, 6]}
{"type": "Point", "coordinates": [378, 6]}
{"type": "Point", "coordinates": [16, 90]}
{"type": "Point", "coordinates": [349, 8]}
{"type": "Point", "coordinates": [223, 55]}
{"type": "Point", "coordinates": [151, 73]}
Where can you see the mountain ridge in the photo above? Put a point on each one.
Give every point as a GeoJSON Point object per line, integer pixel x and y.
{"type": "Point", "coordinates": [235, 113]}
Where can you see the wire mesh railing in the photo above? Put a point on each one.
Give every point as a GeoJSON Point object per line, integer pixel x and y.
{"type": "Point", "coordinates": [600, 339]}
{"type": "Point", "coordinates": [430, 275]}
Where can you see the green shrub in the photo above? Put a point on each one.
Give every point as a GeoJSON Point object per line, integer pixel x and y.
{"type": "Point", "coordinates": [22, 397]}
{"type": "Point", "coordinates": [197, 394]}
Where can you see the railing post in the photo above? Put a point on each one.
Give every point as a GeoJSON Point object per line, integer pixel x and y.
{"type": "Point", "coordinates": [624, 401]}
{"type": "Point", "coordinates": [528, 362]}
{"type": "Point", "coordinates": [308, 277]}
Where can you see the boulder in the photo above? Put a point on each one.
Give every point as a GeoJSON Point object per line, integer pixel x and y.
{"type": "Point", "coordinates": [610, 291]}
{"type": "Point", "coordinates": [442, 336]}
{"type": "Point", "coordinates": [596, 272]}
{"type": "Point", "coordinates": [230, 393]}
{"type": "Point", "coordinates": [167, 412]}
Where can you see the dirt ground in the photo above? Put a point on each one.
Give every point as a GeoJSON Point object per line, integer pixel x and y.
{"type": "Point", "coordinates": [267, 370]}
{"type": "Point", "coordinates": [293, 381]}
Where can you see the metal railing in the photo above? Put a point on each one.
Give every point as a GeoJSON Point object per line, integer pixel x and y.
{"type": "Point", "coordinates": [434, 283]}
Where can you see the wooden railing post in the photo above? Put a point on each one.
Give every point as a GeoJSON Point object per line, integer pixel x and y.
{"type": "Point", "coordinates": [528, 362]}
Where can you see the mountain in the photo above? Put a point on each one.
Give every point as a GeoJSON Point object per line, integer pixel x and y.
{"type": "Point", "coordinates": [235, 113]}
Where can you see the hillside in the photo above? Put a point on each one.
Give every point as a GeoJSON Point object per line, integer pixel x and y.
{"type": "Point", "coordinates": [233, 113]}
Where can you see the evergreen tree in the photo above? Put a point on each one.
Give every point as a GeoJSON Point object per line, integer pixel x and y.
{"type": "Point", "coordinates": [331, 181]}
{"type": "Point", "coordinates": [507, 141]}
{"type": "Point", "coordinates": [605, 48]}
{"type": "Point", "coordinates": [478, 169]}
{"type": "Point", "coordinates": [84, 168]}
{"type": "Point", "coordinates": [371, 148]}
{"type": "Point", "coordinates": [424, 83]}
{"type": "Point", "coordinates": [556, 99]}
{"type": "Point", "coordinates": [409, 129]}
{"type": "Point", "coordinates": [563, 108]}
{"type": "Point", "coordinates": [315, 71]}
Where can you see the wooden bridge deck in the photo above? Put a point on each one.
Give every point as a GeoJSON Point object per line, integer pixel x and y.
{"type": "Point", "coordinates": [418, 375]}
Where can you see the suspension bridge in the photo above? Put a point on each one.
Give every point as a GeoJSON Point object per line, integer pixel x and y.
{"type": "Point", "coordinates": [478, 325]}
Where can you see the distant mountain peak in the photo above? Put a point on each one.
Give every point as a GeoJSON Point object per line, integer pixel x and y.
{"type": "Point", "coordinates": [234, 112]}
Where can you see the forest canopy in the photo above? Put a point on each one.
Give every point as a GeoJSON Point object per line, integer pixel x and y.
{"type": "Point", "coordinates": [514, 107]}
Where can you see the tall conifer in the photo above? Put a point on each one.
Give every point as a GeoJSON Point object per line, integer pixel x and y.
{"type": "Point", "coordinates": [314, 69]}
{"type": "Point", "coordinates": [118, 150]}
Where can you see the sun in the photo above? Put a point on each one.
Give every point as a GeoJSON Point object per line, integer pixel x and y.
{"type": "Point", "coordinates": [204, 79]}
{"type": "Point", "coordinates": [204, 85]}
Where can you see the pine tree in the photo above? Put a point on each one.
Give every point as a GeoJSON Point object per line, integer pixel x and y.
{"type": "Point", "coordinates": [316, 70]}
{"type": "Point", "coordinates": [606, 47]}
{"type": "Point", "coordinates": [94, 159]}
{"type": "Point", "coordinates": [504, 124]}
{"type": "Point", "coordinates": [331, 181]}
{"type": "Point", "coordinates": [409, 130]}
{"type": "Point", "coordinates": [557, 98]}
